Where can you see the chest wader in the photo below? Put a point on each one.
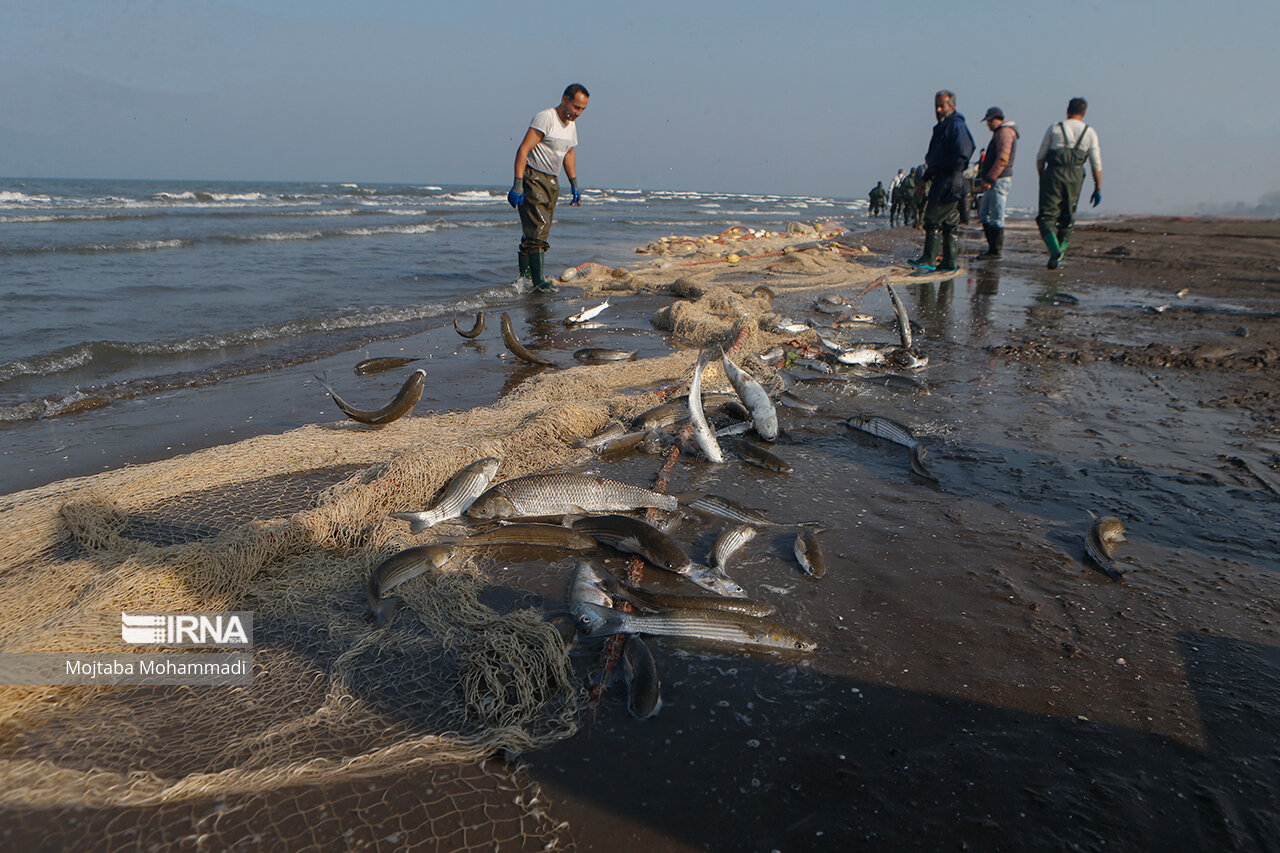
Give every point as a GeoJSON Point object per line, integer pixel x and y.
{"type": "Point", "coordinates": [941, 218]}
{"type": "Point", "coordinates": [1060, 186]}
{"type": "Point", "coordinates": [540, 193]}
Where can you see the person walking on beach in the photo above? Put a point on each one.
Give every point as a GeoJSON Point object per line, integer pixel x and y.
{"type": "Point", "coordinates": [549, 143]}
{"type": "Point", "coordinates": [877, 197]}
{"type": "Point", "coordinates": [950, 148]}
{"type": "Point", "coordinates": [1063, 152]}
{"type": "Point", "coordinates": [995, 176]}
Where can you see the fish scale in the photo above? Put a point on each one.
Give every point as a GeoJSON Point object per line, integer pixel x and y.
{"type": "Point", "coordinates": [564, 494]}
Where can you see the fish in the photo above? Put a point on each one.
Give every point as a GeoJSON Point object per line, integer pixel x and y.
{"type": "Point", "coordinates": [588, 584]}
{"type": "Point", "coordinates": [1100, 543]}
{"type": "Point", "coordinates": [759, 456]}
{"type": "Point", "coordinates": [730, 628]}
{"type": "Point", "coordinates": [787, 327]}
{"type": "Point", "coordinates": [904, 322]}
{"type": "Point", "coordinates": [809, 553]}
{"type": "Point", "coordinates": [513, 343]}
{"type": "Point", "coordinates": [647, 599]}
{"type": "Point", "coordinates": [609, 432]}
{"type": "Point", "coordinates": [771, 355]}
{"type": "Point", "coordinates": [734, 429]}
{"type": "Point", "coordinates": [465, 487]}
{"type": "Point", "coordinates": [378, 365]}
{"type": "Point", "coordinates": [536, 535]}
{"type": "Point", "coordinates": [729, 542]}
{"type": "Point", "coordinates": [860, 355]}
{"type": "Point", "coordinates": [662, 415]}
{"type": "Point", "coordinates": [396, 570]}
{"type": "Point", "coordinates": [851, 319]}
{"type": "Point", "coordinates": [763, 415]}
{"type": "Point", "coordinates": [1061, 299]}
{"type": "Point", "coordinates": [763, 290]}
{"type": "Point", "coordinates": [714, 579]}
{"type": "Point", "coordinates": [815, 364]}
{"type": "Point", "coordinates": [831, 305]}
{"type": "Point", "coordinates": [564, 494]}
{"type": "Point", "coordinates": [882, 427]}
{"type": "Point", "coordinates": [917, 463]}
{"type": "Point", "coordinates": [791, 401]}
{"type": "Point", "coordinates": [586, 314]}
{"type": "Point", "coordinates": [633, 536]}
{"type": "Point", "coordinates": [406, 398]}
{"type": "Point", "coordinates": [906, 358]}
{"type": "Point", "coordinates": [896, 382]}
{"type": "Point", "coordinates": [624, 444]}
{"type": "Point", "coordinates": [644, 690]}
{"type": "Point", "coordinates": [702, 433]}
{"type": "Point", "coordinates": [722, 507]}
{"type": "Point", "coordinates": [475, 329]}
{"type": "Point", "coordinates": [598, 354]}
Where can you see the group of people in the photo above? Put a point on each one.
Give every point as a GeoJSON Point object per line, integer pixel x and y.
{"type": "Point", "coordinates": [935, 193]}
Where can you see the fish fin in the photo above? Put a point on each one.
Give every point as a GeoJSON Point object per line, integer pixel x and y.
{"type": "Point", "coordinates": [418, 521]}
{"type": "Point", "coordinates": [686, 498]}
{"type": "Point", "coordinates": [383, 610]}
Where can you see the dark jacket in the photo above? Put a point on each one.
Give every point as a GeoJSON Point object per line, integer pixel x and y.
{"type": "Point", "coordinates": [1004, 144]}
{"type": "Point", "coordinates": [949, 151]}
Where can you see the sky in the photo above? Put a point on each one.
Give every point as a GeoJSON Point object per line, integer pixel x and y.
{"type": "Point", "coordinates": [797, 98]}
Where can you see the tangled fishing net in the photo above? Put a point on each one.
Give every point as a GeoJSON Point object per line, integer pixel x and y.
{"type": "Point", "coordinates": [350, 736]}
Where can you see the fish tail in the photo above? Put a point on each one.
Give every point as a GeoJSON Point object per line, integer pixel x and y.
{"type": "Point", "coordinates": [418, 521]}
{"type": "Point", "coordinates": [383, 609]}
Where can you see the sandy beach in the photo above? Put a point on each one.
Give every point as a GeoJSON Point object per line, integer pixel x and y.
{"type": "Point", "coordinates": [977, 684]}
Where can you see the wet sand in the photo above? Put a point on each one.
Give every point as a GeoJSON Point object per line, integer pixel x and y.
{"type": "Point", "coordinates": [977, 685]}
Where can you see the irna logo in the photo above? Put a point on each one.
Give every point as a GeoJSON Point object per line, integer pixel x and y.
{"type": "Point", "coordinates": [209, 630]}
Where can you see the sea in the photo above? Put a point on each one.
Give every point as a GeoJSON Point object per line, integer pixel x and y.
{"type": "Point", "coordinates": [122, 292]}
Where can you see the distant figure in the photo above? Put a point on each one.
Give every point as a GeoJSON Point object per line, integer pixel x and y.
{"type": "Point", "coordinates": [950, 148]}
{"type": "Point", "coordinates": [893, 185]}
{"type": "Point", "coordinates": [995, 176]}
{"type": "Point", "coordinates": [877, 197]}
{"type": "Point", "coordinates": [1060, 161]}
{"type": "Point", "coordinates": [550, 142]}
{"type": "Point", "coordinates": [899, 193]}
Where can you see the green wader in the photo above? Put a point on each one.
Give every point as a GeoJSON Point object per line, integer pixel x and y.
{"type": "Point", "coordinates": [941, 219]}
{"type": "Point", "coordinates": [540, 193]}
{"type": "Point", "coordinates": [1060, 185]}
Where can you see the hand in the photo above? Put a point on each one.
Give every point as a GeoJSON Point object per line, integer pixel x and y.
{"type": "Point", "coordinates": [577, 198]}
{"type": "Point", "coordinates": [515, 199]}
{"type": "Point", "coordinates": [1096, 198]}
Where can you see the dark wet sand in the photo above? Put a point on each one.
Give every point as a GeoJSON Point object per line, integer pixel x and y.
{"type": "Point", "coordinates": [976, 686]}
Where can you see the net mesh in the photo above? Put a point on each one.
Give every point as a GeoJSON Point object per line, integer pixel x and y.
{"type": "Point", "coordinates": [350, 735]}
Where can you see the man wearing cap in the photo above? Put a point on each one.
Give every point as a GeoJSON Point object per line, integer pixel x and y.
{"type": "Point", "coordinates": [1063, 152]}
{"type": "Point", "coordinates": [995, 177]}
{"type": "Point", "coordinates": [548, 144]}
{"type": "Point", "coordinates": [950, 148]}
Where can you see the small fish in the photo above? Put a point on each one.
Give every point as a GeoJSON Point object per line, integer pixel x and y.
{"type": "Point", "coordinates": [649, 600]}
{"type": "Point", "coordinates": [729, 542]}
{"type": "Point", "coordinates": [727, 628]}
{"type": "Point", "coordinates": [809, 553]}
{"type": "Point", "coordinates": [644, 690]}
{"type": "Point", "coordinates": [755, 398]}
{"type": "Point", "coordinates": [1100, 543]}
{"type": "Point", "coordinates": [588, 585]}
{"type": "Point", "coordinates": [378, 365]}
{"type": "Point", "coordinates": [465, 487]}
{"type": "Point", "coordinates": [882, 427]}
{"type": "Point", "coordinates": [534, 535]}
{"type": "Point", "coordinates": [660, 416]}
{"type": "Point", "coordinates": [475, 329]}
{"type": "Point", "coordinates": [831, 305]}
{"type": "Point", "coordinates": [896, 382]}
{"type": "Point", "coordinates": [734, 429]}
{"type": "Point", "coordinates": [564, 494]}
{"type": "Point", "coordinates": [715, 580]}
{"type": "Point", "coordinates": [851, 319]}
{"type": "Point", "coordinates": [513, 343]}
{"type": "Point", "coordinates": [769, 356]}
{"type": "Point", "coordinates": [406, 398]}
{"type": "Point", "coordinates": [633, 536]}
{"type": "Point", "coordinates": [862, 355]}
{"type": "Point", "coordinates": [791, 401]}
{"type": "Point", "coordinates": [702, 433]}
{"type": "Point", "coordinates": [609, 432]}
{"type": "Point", "coordinates": [917, 463]}
{"type": "Point", "coordinates": [788, 327]}
{"type": "Point", "coordinates": [399, 568]}
{"type": "Point", "coordinates": [599, 354]}
{"type": "Point", "coordinates": [1060, 299]}
{"type": "Point", "coordinates": [759, 456]}
{"type": "Point", "coordinates": [904, 323]}
{"type": "Point", "coordinates": [725, 508]}
{"type": "Point", "coordinates": [586, 314]}
{"type": "Point", "coordinates": [815, 364]}
{"type": "Point", "coordinates": [907, 359]}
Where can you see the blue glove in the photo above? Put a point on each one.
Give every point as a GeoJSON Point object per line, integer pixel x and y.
{"type": "Point", "coordinates": [577, 196]}
{"type": "Point", "coordinates": [1096, 198]}
{"type": "Point", "coordinates": [515, 195]}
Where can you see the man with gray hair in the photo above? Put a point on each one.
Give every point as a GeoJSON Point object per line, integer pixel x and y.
{"type": "Point", "coordinates": [548, 144]}
{"type": "Point", "coordinates": [1063, 152]}
{"type": "Point", "coordinates": [950, 148]}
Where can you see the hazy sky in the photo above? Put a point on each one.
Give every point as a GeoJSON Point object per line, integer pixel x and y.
{"type": "Point", "coordinates": [787, 97]}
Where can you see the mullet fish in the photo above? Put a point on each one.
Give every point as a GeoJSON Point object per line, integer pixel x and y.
{"type": "Point", "coordinates": [702, 433]}
{"type": "Point", "coordinates": [597, 621]}
{"type": "Point", "coordinates": [513, 343]}
{"type": "Point", "coordinates": [378, 365]}
{"type": "Point", "coordinates": [763, 415]}
{"type": "Point", "coordinates": [397, 569]}
{"type": "Point", "coordinates": [564, 494]}
{"type": "Point", "coordinates": [406, 398]}
{"type": "Point", "coordinates": [469, 483]}
{"type": "Point", "coordinates": [728, 544]}
{"type": "Point", "coordinates": [1100, 543]}
{"type": "Point", "coordinates": [586, 314]}
{"type": "Point", "coordinates": [882, 427]}
{"type": "Point", "coordinates": [809, 553]}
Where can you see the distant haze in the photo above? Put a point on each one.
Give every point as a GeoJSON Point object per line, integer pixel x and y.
{"type": "Point", "coordinates": [795, 98]}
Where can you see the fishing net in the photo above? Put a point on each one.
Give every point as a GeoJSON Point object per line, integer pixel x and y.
{"type": "Point", "coordinates": [350, 736]}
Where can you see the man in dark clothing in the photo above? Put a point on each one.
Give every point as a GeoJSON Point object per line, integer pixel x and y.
{"type": "Point", "coordinates": [877, 197]}
{"type": "Point", "coordinates": [995, 176]}
{"type": "Point", "coordinates": [949, 151]}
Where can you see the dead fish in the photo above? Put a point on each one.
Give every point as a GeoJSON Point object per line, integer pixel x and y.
{"type": "Point", "coordinates": [1100, 543]}
{"type": "Point", "coordinates": [378, 365]}
{"type": "Point", "coordinates": [1060, 299]}
{"type": "Point", "coordinates": [771, 355]}
{"type": "Point", "coordinates": [564, 494]}
{"type": "Point", "coordinates": [860, 356]}
{"type": "Point", "coordinates": [533, 535]}
{"type": "Point", "coordinates": [634, 536]}
{"type": "Point", "coordinates": [465, 487]}
{"type": "Point", "coordinates": [734, 429]}
{"type": "Point", "coordinates": [917, 456]}
{"type": "Point", "coordinates": [607, 433]}
{"type": "Point", "coordinates": [600, 354]}
{"type": "Point", "coordinates": [628, 443]}
{"type": "Point", "coordinates": [896, 382]}
{"type": "Point", "coordinates": [791, 401]}
{"type": "Point", "coordinates": [830, 305]}
{"type": "Point", "coordinates": [726, 508]}
{"type": "Point", "coordinates": [757, 455]}
{"type": "Point", "coordinates": [763, 415]}
{"type": "Point", "coordinates": [904, 322]}
{"type": "Point", "coordinates": [882, 427]}
{"type": "Point", "coordinates": [728, 628]}
{"type": "Point", "coordinates": [702, 434]}
{"type": "Point", "coordinates": [399, 568]}
{"type": "Point", "coordinates": [809, 553]}
{"type": "Point", "coordinates": [728, 544]}
{"type": "Point", "coordinates": [588, 585]}
{"type": "Point", "coordinates": [907, 359]}
{"type": "Point", "coordinates": [586, 314]}
{"type": "Point", "coordinates": [406, 398]}
{"type": "Point", "coordinates": [475, 329]}
{"type": "Point", "coordinates": [660, 416]}
{"type": "Point", "coordinates": [647, 599]}
{"type": "Point", "coordinates": [644, 690]}
{"type": "Point", "coordinates": [851, 319]}
{"type": "Point", "coordinates": [513, 343]}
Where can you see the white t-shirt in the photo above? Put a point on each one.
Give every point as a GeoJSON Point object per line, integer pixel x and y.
{"type": "Point", "coordinates": [1053, 139]}
{"type": "Point", "coordinates": [548, 155]}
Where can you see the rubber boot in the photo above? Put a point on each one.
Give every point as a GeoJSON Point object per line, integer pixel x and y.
{"type": "Point", "coordinates": [1055, 250]}
{"type": "Point", "coordinates": [928, 259]}
{"type": "Point", "coordinates": [523, 260]}
{"type": "Point", "coordinates": [997, 241]}
{"type": "Point", "coordinates": [535, 273]}
{"type": "Point", "coordinates": [991, 251]}
{"type": "Point", "coordinates": [950, 252]}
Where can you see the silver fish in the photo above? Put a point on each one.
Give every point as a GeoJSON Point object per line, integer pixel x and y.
{"type": "Point", "coordinates": [809, 553]}
{"type": "Point", "coordinates": [586, 314]}
{"type": "Point", "coordinates": [728, 543]}
{"type": "Point", "coordinates": [600, 354]}
{"type": "Point", "coordinates": [714, 579]}
{"type": "Point", "coordinates": [587, 585]}
{"type": "Point", "coordinates": [764, 458]}
{"type": "Point", "coordinates": [755, 398]}
{"type": "Point", "coordinates": [917, 457]}
{"type": "Point", "coordinates": [792, 401]}
{"type": "Point", "coordinates": [860, 355]}
{"type": "Point", "coordinates": [714, 627]}
{"type": "Point", "coordinates": [904, 323]}
{"type": "Point", "coordinates": [728, 509]}
{"type": "Point", "coordinates": [734, 429]}
{"type": "Point", "coordinates": [882, 427]}
{"type": "Point", "coordinates": [397, 569]}
{"type": "Point", "coordinates": [649, 600]}
{"type": "Point", "coordinates": [564, 494]}
{"type": "Point", "coordinates": [831, 304]}
{"type": "Point", "coordinates": [633, 536]}
{"type": "Point", "coordinates": [1104, 535]}
{"type": "Point", "coordinates": [852, 319]}
{"type": "Point", "coordinates": [662, 415]}
{"type": "Point", "coordinates": [465, 487]}
{"type": "Point", "coordinates": [702, 433]}
{"type": "Point", "coordinates": [644, 690]}
{"type": "Point", "coordinates": [607, 433]}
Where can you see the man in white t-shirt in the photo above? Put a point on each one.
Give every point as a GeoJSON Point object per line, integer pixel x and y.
{"type": "Point", "coordinates": [548, 144]}
{"type": "Point", "coordinates": [1066, 147]}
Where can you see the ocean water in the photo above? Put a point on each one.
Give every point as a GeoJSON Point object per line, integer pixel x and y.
{"type": "Point", "coordinates": [117, 290]}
